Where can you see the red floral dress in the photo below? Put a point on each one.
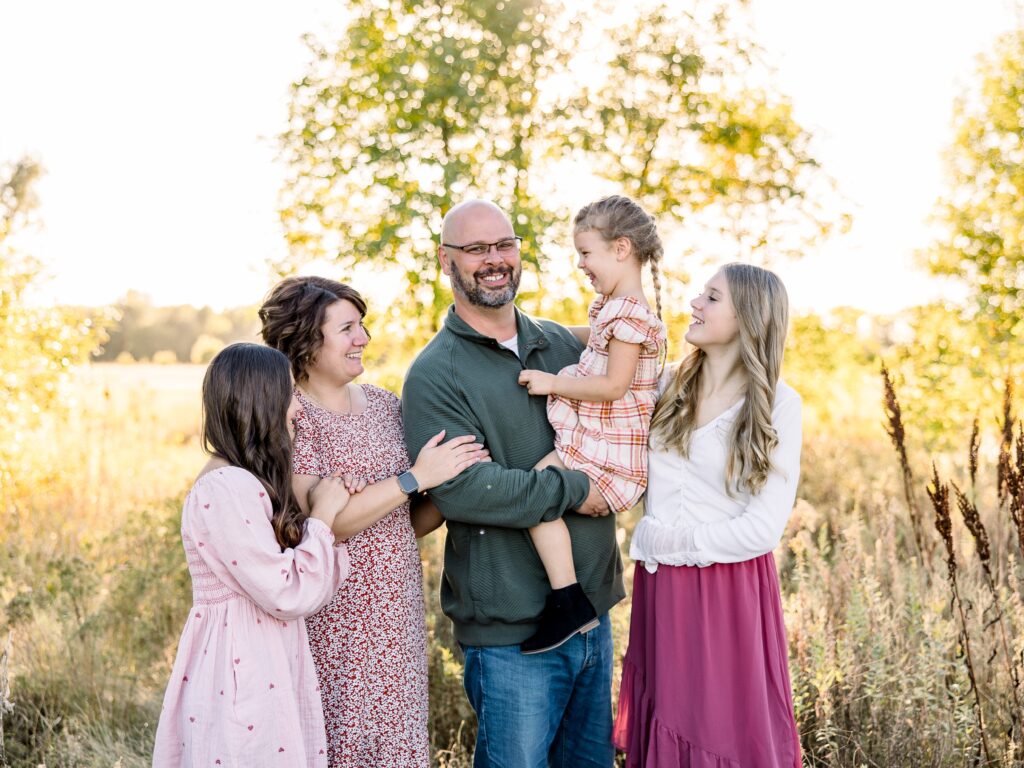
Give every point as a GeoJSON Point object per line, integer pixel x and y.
{"type": "Point", "coordinates": [369, 643]}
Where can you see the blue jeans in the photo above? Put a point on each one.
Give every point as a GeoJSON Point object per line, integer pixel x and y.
{"type": "Point", "coordinates": [548, 710]}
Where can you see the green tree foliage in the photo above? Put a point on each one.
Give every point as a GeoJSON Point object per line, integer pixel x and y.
{"type": "Point", "coordinates": [946, 374]}
{"type": "Point", "coordinates": [982, 214]}
{"type": "Point", "coordinates": [419, 103]}
{"type": "Point", "coordinates": [37, 345]}
{"type": "Point", "coordinates": [677, 111]}
{"type": "Point", "coordinates": [422, 104]}
{"type": "Point", "coordinates": [832, 361]}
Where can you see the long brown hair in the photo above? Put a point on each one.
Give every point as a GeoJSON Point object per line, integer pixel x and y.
{"type": "Point", "coordinates": [762, 308]}
{"type": "Point", "coordinates": [246, 393]}
{"type": "Point", "coordinates": [293, 316]}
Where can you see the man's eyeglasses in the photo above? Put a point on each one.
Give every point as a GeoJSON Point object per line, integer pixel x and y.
{"type": "Point", "coordinates": [507, 245]}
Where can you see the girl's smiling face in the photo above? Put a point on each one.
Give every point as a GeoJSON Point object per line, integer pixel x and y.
{"type": "Point", "coordinates": [714, 320]}
{"type": "Point", "coordinates": [602, 261]}
{"type": "Point", "coordinates": [340, 357]}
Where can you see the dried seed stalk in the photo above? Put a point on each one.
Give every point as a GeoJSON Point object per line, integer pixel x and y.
{"type": "Point", "coordinates": [972, 519]}
{"type": "Point", "coordinates": [972, 456]}
{"type": "Point", "coordinates": [896, 433]}
{"type": "Point", "coordinates": [1015, 484]}
{"type": "Point", "coordinates": [939, 495]}
{"type": "Point", "coordinates": [1005, 466]}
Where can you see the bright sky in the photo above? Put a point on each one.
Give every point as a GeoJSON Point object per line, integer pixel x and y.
{"type": "Point", "coordinates": [875, 81]}
{"type": "Point", "coordinates": [156, 124]}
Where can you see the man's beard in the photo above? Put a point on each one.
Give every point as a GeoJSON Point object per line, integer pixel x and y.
{"type": "Point", "coordinates": [482, 297]}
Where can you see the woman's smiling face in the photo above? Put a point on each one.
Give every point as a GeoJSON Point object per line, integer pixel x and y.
{"type": "Point", "coordinates": [340, 357]}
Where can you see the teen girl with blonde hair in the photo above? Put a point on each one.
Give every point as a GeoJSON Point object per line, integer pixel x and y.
{"type": "Point", "coordinates": [705, 680]}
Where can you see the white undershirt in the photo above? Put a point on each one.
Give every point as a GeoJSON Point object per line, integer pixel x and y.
{"type": "Point", "coordinates": [689, 519]}
{"type": "Point", "coordinates": [512, 344]}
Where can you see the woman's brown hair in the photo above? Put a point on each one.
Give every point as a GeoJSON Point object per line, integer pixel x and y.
{"type": "Point", "coordinates": [293, 315]}
{"type": "Point", "coordinates": [246, 393]}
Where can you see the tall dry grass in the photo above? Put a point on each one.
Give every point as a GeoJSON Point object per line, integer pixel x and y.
{"type": "Point", "coordinates": [93, 588]}
{"type": "Point", "coordinates": [92, 578]}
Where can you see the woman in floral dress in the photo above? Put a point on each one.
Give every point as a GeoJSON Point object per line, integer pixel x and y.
{"type": "Point", "coordinates": [369, 642]}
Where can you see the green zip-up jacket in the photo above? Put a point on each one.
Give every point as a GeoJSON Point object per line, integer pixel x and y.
{"type": "Point", "coordinates": [494, 585]}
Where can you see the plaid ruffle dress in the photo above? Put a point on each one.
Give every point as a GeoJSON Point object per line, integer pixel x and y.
{"type": "Point", "coordinates": [608, 441]}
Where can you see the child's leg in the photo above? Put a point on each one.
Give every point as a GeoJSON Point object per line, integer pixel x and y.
{"type": "Point", "coordinates": [567, 609]}
{"type": "Point", "coordinates": [552, 540]}
{"type": "Point", "coordinates": [555, 550]}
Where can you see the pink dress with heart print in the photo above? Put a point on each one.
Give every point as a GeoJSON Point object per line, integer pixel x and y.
{"type": "Point", "coordinates": [243, 689]}
{"type": "Point", "coordinates": [370, 642]}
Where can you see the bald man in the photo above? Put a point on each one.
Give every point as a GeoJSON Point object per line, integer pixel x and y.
{"type": "Point", "coordinates": [552, 708]}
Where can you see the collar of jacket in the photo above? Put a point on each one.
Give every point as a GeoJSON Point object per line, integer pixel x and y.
{"type": "Point", "coordinates": [529, 332]}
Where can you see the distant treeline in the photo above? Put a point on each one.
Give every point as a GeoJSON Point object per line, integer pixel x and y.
{"type": "Point", "coordinates": [137, 331]}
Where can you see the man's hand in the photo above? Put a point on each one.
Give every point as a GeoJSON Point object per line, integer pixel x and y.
{"type": "Point", "coordinates": [594, 505]}
{"type": "Point", "coordinates": [537, 382]}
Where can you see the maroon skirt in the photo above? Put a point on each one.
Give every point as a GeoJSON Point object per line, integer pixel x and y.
{"type": "Point", "coordinates": [705, 680]}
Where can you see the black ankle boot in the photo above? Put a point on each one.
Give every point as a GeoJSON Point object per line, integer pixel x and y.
{"type": "Point", "coordinates": [566, 612]}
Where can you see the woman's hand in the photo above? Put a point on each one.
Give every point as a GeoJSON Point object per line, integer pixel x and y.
{"type": "Point", "coordinates": [328, 497]}
{"type": "Point", "coordinates": [537, 382]}
{"type": "Point", "coordinates": [438, 463]}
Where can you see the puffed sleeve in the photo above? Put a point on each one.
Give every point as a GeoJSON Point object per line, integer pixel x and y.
{"type": "Point", "coordinates": [626, 319]}
{"type": "Point", "coordinates": [307, 449]}
{"type": "Point", "coordinates": [228, 517]}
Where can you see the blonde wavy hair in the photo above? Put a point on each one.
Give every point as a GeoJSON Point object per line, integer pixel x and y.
{"type": "Point", "coordinates": [762, 309]}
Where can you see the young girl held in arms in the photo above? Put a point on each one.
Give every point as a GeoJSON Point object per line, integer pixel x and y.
{"type": "Point", "coordinates": [601, 408]}
{"type": "Point", "coordinates": [243, 690]}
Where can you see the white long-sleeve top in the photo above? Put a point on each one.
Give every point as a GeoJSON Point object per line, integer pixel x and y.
{"type": "Point", "coordinates": [689, 519]}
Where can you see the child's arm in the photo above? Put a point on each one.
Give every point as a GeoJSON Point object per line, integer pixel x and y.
{"type": "Point", "coordinates": [623, 359]}
{"type": "Point", "coordinates": [425, 516]}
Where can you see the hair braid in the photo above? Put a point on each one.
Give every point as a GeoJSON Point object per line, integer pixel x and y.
{"type": "Point", "coordinates": [656, 278]}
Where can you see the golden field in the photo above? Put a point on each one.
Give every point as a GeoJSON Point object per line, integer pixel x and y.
{"type": "Point", "coordinates": [94, 590]}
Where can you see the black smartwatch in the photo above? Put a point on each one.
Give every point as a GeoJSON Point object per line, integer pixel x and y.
{"type": "Point", "coordinates": [408, 483]}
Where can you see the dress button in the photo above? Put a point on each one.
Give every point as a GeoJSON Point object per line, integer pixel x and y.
{"type": "Point", "coordinates": [481, 531]}
{"type": "Point", "coordinates": [488, 487]}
